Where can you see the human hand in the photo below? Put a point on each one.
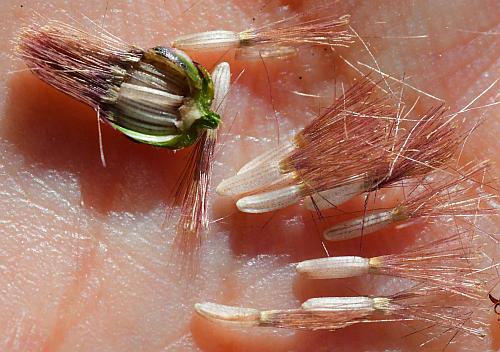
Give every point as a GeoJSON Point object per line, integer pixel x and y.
{"type": "Point", "coordinates": [85, 263]}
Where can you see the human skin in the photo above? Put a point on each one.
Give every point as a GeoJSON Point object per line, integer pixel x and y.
{"type": "Point", "coordinates": [85, 263]}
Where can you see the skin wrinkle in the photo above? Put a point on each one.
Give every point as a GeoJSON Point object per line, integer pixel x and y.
{"type": "Point", "coordinates": [468, 58]}
{"type": "Point", "coordinates": [144, 305]}
{"type": "Point", "coordinates": [70, 308]}
{"type": "Point", "coordinates": [22, 335]}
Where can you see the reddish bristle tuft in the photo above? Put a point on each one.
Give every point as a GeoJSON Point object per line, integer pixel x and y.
{"type": "Point", "coordinates": [301, 319]}
{"type": "Point", "coordinates": [193, 191]}
{"type": "Point", "coordinates": [455, 195]}
{"type": "Point", "coordinates": [301, 29]}
{"type": "Point", "coordinates": [449, 264]}
{"type": "Point", "coordinates": [425, 147]}
{"type": "Point", "coordinates": [78, 63]}
{"type": "Point", "coordinates": [347, 142]}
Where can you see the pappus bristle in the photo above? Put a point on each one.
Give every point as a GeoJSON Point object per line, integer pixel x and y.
{"type": "Point", "coordinates": [75, 62]}
{"type": "Point", "coordinates": [277, 39]}
{"type": "Point", "coordinates": [455, 195]}
{"type": "Point", "coordinates": [425, 147]}
{"type": "Point", "coordinates": [345, 143]}
{"type": "Point", "coordinates": [414, 152]}
{"type": "Point", "coordinates": [298, 30]}
{"type": "Point", "coordinates": [194, 185]}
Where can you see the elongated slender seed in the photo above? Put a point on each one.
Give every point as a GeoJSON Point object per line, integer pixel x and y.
{"type": "Point", "coordinates": [271, 156]}
{"type": "Point", "coordinates": [263, 176]}
{"type": "Point", "coordinates": [208, 40]}
{"type": "Point", "coordinates": [229, 314]}
{"type": "Point", "coordinates": [270, 201]}
{"type": "Point", "coordinates": [334, 267]}
{"type": "Point", "coordinates": [335, 196]}
{"type": "Point", "coordinates": [338, 304]}
{"type": "Point", "coordinates": [256, 53]}
{"type": "Point", "coordinates": [358, 227]}
{"type": "Point", "coordinates": [221, 76]}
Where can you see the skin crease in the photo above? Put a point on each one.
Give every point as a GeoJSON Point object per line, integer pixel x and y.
{"type": "Point", "coordinates": [85, 264]}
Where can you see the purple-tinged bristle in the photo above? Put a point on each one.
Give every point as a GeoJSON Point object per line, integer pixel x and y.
{"type": "Point", "coordinates": [309, 28]}
{"type": "Point", "coordinates": [81, 64]}
{"type": "Point", "coordinates": [425, 147]}
{"type": "Point", "coordinates": [345, 143]}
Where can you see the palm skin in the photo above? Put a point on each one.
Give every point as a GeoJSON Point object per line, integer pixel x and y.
{"type": "Point", "coordinates": [84, 260]}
